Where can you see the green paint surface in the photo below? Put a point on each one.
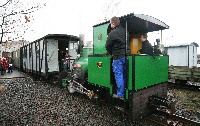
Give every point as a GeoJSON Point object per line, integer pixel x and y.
{"type": "Point", "coordinates": [100, 76]}
{"type": "Point", "coordinates": [99, 38]}
{"type": "Point", "coordinates": [87, 51]}
{"type": "Point", "coordinates": [143, 71]}
{"type": "Point", "coordinates": [150, 71]}
{"type": "Point", "coordinates": [83, 61]}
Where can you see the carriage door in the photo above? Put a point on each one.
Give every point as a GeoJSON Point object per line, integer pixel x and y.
{"type": "Point", "coordinates": [73, 46]}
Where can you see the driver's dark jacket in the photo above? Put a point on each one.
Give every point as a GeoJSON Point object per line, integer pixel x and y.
{"type": "Point", "coordinates": [146, 48]}
{"type": "Point", "coordinates": [116, 43]}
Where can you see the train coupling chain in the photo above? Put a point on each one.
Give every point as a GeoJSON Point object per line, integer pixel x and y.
{"type": "Point", "coordinates": [90, 94]}
{"type": "Point", "coordinates": [84, 90]}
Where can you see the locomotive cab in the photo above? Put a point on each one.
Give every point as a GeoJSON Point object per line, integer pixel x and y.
{"type": "Point", "coordinates": [146, 75]}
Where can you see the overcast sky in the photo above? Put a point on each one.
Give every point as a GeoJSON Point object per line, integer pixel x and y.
{"type": "Point", "coordinates": [78, 16]}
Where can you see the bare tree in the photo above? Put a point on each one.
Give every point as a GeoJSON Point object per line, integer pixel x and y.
{"type": "Point", "coordinates": [4, 4]}
{"type": "Point", "coordinates": [110, 8]}
{"type": "Point", "coordinates": [15, 17]}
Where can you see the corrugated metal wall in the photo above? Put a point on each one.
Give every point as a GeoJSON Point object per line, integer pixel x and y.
{"type": "Point", "coordinates": [182, 55]}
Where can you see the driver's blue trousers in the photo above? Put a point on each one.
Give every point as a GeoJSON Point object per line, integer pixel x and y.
{"type": "Point", "coordinates": [119, 69]}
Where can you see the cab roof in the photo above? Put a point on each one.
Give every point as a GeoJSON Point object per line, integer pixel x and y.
{"type": "Point", "coordinates": [140, 23]}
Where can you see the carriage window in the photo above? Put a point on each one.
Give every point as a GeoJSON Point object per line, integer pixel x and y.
{"type": "Point", "coordinates": [75, 46]}
{"type": "Point", "coordinates": [71, 46]}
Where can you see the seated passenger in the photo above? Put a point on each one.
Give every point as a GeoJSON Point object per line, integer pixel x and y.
{"type": "Point", "coordinates": [146, 46]}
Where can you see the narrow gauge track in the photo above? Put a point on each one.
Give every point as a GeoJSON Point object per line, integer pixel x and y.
{"type": "Point", "coordinates": [184, 86]}
{"type": "Point", "coordinates": [156, 118]}
{"type": "Point", "coordinates": [161, 118]}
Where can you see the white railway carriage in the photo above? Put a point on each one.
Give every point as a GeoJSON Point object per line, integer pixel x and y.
{"type": "Point", "coordinates": [45, 56]}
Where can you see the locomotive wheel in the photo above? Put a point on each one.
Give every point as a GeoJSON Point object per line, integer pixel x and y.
{"type": "Point", "coordinates": [70, 88]}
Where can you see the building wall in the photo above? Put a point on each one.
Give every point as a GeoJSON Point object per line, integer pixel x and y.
{"type": "Point", "coordinates": [176, 56]}
{"type": "Point", "coordinates": [193, 56]}
{"type": "Point", "coordinates": [182, 55]}
{"type": "Point", "coordinates": [11, 46]}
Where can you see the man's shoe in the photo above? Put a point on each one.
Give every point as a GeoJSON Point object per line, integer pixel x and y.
{"type": "Point", "coordinates": [120, 97]}
{"type": "Point", "coordinates": [119, 108]}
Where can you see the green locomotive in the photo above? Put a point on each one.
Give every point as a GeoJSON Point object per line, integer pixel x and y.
{"type": "Point", "coordinates": [147, 76]}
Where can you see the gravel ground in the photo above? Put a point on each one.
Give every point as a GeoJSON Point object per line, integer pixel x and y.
{"type": "Point", "coordinates": [187, 103]}
{"type": "Point", "coordinates": [40, 104]}
{"type": "Point", "coordinates": [27, 103]}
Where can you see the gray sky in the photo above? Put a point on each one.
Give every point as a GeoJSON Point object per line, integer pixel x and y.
{"type": "Point", "coordinates": [78, 16]}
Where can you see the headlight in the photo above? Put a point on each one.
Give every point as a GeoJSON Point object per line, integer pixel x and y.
{"type": "Point", "coordinates": [77, 65]}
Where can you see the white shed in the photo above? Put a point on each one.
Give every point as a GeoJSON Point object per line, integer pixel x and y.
{"type": "Point", "coordinates": [182, 55]}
